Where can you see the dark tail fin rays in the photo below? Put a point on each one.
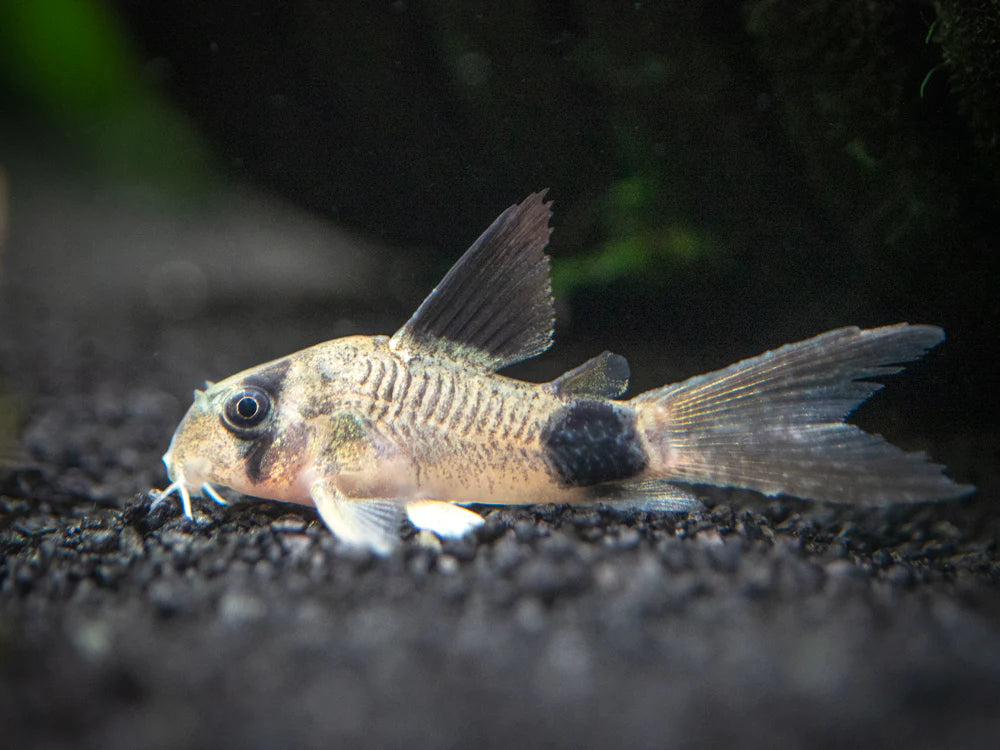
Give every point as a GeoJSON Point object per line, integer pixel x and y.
{"type": "Point", "coordinates": [774, 423]}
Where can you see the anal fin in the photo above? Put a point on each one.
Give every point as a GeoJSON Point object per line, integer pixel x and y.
{"type": "Point", "coordinates": [370, 523]}
{"type": "Point", "coordinates": [649, 495]}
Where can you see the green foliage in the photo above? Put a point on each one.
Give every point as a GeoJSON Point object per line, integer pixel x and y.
{"type": "Point", "coordinates": [640, 242]}
{"type": "Point", "coordinates": [968, 32]}
{"type": "Point", "coordinates": [858, 113]}
{"type": "Point", "coordinates": [67, 56]}
{"type": "Point", "coordinates": [68, 63]}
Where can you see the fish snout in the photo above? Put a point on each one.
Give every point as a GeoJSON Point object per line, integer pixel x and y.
{"type": "Point", "coordinates": [187, 478]}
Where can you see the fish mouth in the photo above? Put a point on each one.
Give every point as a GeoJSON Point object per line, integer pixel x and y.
{"type": "Point", "coordinates": [185, 492]}
{"type": "Point", "coordinates": [183, 489]}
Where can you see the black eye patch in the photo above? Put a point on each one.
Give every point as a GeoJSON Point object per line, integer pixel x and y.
{"type": "Point", "coordinates": [270, 379]}
{"type": "Point", "coordinates": [249, 407]}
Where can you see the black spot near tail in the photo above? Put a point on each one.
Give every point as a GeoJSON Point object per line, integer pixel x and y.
{"type": "Point", "coordinates": [590, 442]}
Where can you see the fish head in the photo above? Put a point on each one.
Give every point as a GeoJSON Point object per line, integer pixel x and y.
{"type": "Point", "coordinates": [243, 433]}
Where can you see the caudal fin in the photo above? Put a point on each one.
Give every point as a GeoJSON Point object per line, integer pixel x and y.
{"type": "Point", "coordinates": [774, 423]}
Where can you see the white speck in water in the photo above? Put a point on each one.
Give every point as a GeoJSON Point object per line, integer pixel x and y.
{"type": "Point", "coordinates": [473, 68]}
{"type": "Point", "coordinates": [92, 639]}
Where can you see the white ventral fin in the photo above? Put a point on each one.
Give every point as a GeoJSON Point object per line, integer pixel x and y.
{"type": "Point", "coordinates": [494, 307]}
{"type": "Point", "coordinates": [605, 375]}
{"type": "Point", "coordinates": [443, 518]}
{"type": "Point", "coordinates": [370, 523]}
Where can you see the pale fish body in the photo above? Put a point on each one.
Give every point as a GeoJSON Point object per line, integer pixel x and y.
{"type": "Point", "coordinates": [369, 428]}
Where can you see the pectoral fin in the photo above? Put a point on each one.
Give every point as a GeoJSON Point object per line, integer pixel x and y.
{"type": "Point", "coordinates": [370, 523]}
{"type": "Point", "coordinates": [444, 519]}
{"type": "Point", "coordinates": [494, 307]}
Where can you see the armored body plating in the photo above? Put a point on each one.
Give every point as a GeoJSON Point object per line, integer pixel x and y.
{"type": "Point", "coordinates": [369, 428]}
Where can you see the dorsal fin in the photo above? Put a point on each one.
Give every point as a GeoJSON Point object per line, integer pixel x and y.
{"type": "Point", "coordinates": [494, 307]}
{"type": "Point", "coordinates": [605, 375]}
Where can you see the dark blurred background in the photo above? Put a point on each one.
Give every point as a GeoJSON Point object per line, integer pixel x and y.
{"type": "Point", "coordinates": [727, 177]}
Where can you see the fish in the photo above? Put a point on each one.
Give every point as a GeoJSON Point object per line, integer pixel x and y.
{"type": "Point", "coordinates": [375, 430]}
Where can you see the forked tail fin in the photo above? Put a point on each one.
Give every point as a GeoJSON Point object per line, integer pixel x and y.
{"type": "Point", "coordinates": [774, 423]}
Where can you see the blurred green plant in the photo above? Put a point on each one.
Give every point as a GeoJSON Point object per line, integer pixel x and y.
{"type": "Point", "coordinates": [642, 227]}
{"type": "Point", "coordinates": [641, 243]}
{"type": "Point", "coordinates": [968, 32]}
{"type": "Point", "coordinates": [69, 64]}
{"type": "Point", "coordinates": [632, 257]}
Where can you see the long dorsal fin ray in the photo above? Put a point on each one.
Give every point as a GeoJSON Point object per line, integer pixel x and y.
{"type": "Point", "coordinates": [605, 375]}
{"type": "Point", "coordinates": [494, 307]}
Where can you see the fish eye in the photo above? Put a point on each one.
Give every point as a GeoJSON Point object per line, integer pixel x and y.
{"type": "Point", "coordinates": [246, 409]}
